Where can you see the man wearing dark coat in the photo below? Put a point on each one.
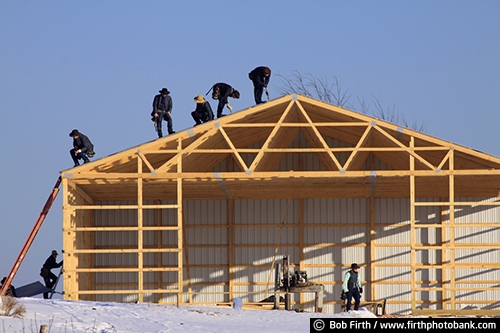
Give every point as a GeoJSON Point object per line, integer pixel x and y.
{"type": "Point", "coordinates": [82, 147]}
{"type": "Point", "coordinates": [49, 277]}
{"type": "Point", "coordinates": [222, 92]}
{"type": "Point", "coordinates": [260, 77]}
{"type": "Point", "coordinates": [162, 110]}
{"type": "Point", "coordinates": [352, 287]}
{"type": "Point", "coordinates": [203, 112]}
{"type": "Point", "coordinates": [11, 290]}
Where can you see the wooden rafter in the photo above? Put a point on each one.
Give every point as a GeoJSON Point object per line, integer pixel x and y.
{"type": "Point", "coordinates": [356, 154]}
{"type": "Point", "coordinates": [267, 143]}
{"type": "Point", "coordinates": [321, 141]}
{"type": "Point", "coordinates": [260, 138]}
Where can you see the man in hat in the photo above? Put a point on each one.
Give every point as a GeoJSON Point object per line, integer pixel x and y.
{"type": "Point", "coordinates": [222, 92]}
{"type": "Point", "coordinates": [260, 77]}
{"type": "Point", "coordinates": [11, 290]}
{"type": "Point", "coordinates": [49, 277]}
{"type": "Point", "coordinates": [162, 109]}
{"type": "Point", "coordinates": [352, 287]}
{"type": "Point", "coordinates": [82, 148]}
{"type": "Point", "coordinates": [203, 111]}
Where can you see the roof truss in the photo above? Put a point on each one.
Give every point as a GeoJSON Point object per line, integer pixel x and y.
{"type": "Point", "coordinates": [260, 143]}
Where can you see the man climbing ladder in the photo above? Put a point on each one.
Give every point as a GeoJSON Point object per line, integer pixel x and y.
{"type": "Point", "coordinates": [49, 277]}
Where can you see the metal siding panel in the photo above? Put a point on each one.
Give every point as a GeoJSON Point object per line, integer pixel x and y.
{"type": "Point", "coordinates": [477, 256]}
{"type": "Point", "coordinates": [249, 213]}
{"type": "Point", "coordinates": [392, 211]}
{"type": "Point", "coordinates": [477, 214]}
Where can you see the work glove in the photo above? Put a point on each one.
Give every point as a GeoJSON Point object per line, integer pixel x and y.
{"type": "Point", "coordinates": [360, 290]}
{"type": "Point", "coordinates": [229, 107]}
{"type": "Point", "coordinates": [343, 296]}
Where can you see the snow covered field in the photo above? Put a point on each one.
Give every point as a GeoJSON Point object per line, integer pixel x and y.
{"type": "Point", "coordinates": [79, 316]}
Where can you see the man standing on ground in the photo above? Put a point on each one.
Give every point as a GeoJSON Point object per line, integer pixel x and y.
{"type": "Point", "coordinates": [260, 77]}
{"type": "Point", "coordinates": [162, 109]}
{"type": "Point", "coordinates": [221, 92]}
{"type": "Point", "coordinates": [49, 277]}
{"type": "Point", "coordinates": [82, 148]}
{"type": "Point", "coordinates": [352, 287]}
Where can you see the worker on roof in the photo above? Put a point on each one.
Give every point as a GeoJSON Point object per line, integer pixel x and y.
{"type": "Point", "coordinates": [162, 110]}
{"type": "Point", "coordinates": [82, 148]}
{"type": "Point", "coordinates": [221, 92]}
{"type": "Point", "coordinates": [49, 277]}
{"type": "Point", "coordinates": [260, 77]}
{"type": "Point", "coordinates": [203, 111]}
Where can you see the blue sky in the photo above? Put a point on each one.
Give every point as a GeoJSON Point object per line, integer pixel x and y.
{"type": "Point", "coordinates": [96, 66]}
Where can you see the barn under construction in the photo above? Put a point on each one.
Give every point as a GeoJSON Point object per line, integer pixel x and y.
{"type": "Point", "coordinates": [203, 216]}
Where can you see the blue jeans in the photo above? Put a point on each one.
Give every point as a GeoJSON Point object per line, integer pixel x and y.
{"type": "Point", "coordinates": [353, 293]}
{"type": "Point", "coordinates": [79, 156]}
{"type": "Point", "coordinates": [163, 115]}
{"type": "Point", "coordinates": [258, 90]}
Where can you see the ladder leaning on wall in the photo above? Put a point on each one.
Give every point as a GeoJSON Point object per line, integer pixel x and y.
{"type": "Point", "coordinates": [31, 237]}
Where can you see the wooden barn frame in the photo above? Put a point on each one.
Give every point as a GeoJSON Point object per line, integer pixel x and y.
{"type": "Point", "coordinates": [169, 221]}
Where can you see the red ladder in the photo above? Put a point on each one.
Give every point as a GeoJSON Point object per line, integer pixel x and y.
{"type": "Point", "coordinates": [31, 237]}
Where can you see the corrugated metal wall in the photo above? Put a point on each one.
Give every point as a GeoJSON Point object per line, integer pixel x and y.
{"type": "Point", "coordinates": [321, 236]}
{"type": "Point", "coordinates": [332, 232]}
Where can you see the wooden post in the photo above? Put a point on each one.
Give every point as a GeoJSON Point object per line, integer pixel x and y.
{"type": "Point", "coordinates": [287, 301]}
{"type": "Point", "coordinates": [318, 299]}
{"type": "Point", "coordinates": [277, 286]}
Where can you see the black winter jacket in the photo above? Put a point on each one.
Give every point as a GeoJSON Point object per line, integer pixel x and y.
{"type": "Point", "coordinates": [83, 143]}
{"type": "Point", "coordinates": [157, 101]}
{"type": "Point", "coordinates": [259, 77]}
{"type": "Point", "coordinates": [51, 263]}
{"type": "Point", "coordinates": [205, 110]}
{"type": "Point", "coordinates": [225, 91]}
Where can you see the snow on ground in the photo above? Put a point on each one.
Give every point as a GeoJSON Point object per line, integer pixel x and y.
{"type": "Point", "coordinates": [80, 316]}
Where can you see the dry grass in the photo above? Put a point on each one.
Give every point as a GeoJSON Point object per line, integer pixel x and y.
{"type": "Point", "coordinates": [12, 308]}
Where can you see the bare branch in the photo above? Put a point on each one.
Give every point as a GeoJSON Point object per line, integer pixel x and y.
{"type": "Point", "coordinates": [333, 93]}
{"type": "Point", "coordinates": [311, 86]}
